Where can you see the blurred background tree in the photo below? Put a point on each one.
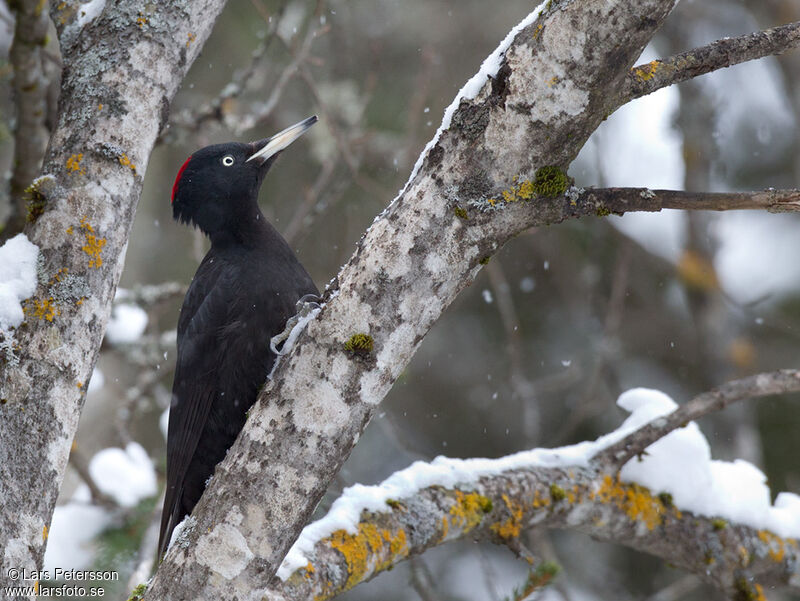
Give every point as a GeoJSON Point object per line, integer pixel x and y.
{"type": "Point", "coordinates": [560, 322]}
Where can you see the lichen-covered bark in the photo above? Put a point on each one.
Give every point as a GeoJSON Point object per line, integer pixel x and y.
{"type": "Point", "coordinates": [121, 71]}
{"type": "Point", "coordinates": [734, 558]}
{"type": "Point", "coordinates": [556, 84]}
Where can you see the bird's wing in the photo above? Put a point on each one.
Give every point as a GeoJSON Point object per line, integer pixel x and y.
{"type": "Point", "coordinates": [194, 388]}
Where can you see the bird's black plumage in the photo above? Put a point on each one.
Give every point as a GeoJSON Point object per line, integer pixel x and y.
{"type": "Point", "coordinates": [241, 296]}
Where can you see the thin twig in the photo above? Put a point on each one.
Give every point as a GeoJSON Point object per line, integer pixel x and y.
{"type": "Point", "coordinates": [759, 385]}
{"type": "Point", "coordinates": [649, 77]}
{"type": "Point", "coordinates": [263, 111]}
{"type": "Point", "coordinates": [622, 200]}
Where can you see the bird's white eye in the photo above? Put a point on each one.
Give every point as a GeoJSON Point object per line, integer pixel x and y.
{"type": "Point", "coordinates": [227, 160]}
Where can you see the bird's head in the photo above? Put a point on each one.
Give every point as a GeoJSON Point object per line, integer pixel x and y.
{"type": "Point", "coordinates": [217, 187]}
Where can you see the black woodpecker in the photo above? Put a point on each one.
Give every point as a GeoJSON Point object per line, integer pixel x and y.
{"type": "Point", "coordinates": [244, 291]}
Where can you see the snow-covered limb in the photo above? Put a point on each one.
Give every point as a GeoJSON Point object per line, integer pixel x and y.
{"type": "Point", "coordinates": [759, 385]}
{"type": "Point", "coordinates": [123, 67]}
{"type": "Point", "coordinates": [737, 542]}
{"type": "Point", "coordinates": [486, 178]}
{"type": "Point", "coordinates": [647, 78]}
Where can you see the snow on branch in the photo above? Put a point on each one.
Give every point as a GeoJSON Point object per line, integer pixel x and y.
{"type": "Point", "coordinates": [649, 77]}
{"type": "Point", "coordinates": [738, 542]}
{"type": "Point", "coordinates": [759, 385]}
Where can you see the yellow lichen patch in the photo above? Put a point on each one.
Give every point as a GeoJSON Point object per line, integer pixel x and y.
{"type": "Point", "coordinates": [511, 527]}
{"type": "Point", "coordinates": [744, 556]}
{"type": "Point", "coordinates": [574, 494]}
{"type": "Point", "coordinates": [57, 276]}
{"type": "Point", "coordinates": [44, 533]}
{"type": "Point", "coordinates": [93, 245]}
{"type": "Point", "coordinates": [540, 500]}
{"type": "Point", "coordinates": [100, 107]}
{"type": "Point", "coordinates": [70, 230]}
{"type": "Point", "coordinates": [74, 164]}
{"type": "Point", "coordinates": [190, 37]}
{"type": "Point", "coordinates": [536, 33]}
{"type": "Point", "coordinates": [636, 501]}
{"type": "Point", "coordinates": [776, 547]}
{"type": "Point", "coordinates": [141, 20]}
{"type": "Point", "coordinates": [467, 512]}
{"type": "Point", "coordinates": [648, 71]}
{"type": "Point", "coordinates": [126, 162]}
{"type": "Point", "coordinates": [445, 527]}
{"type": "Point", "coordinates": [41, 309]}
{"type": "Point", "coordinates": [371, 550]}
{"type": "Point", "coordinates": [522, 191]}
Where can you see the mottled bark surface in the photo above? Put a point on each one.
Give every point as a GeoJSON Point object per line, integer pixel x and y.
{"type": "Point", "coordinates": [122, 70]}
{"type": "Point", "coordinates": [556, 84]}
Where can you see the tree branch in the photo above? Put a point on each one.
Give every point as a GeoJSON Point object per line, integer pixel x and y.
{"type": "Point", "coordinates": [602, 201]}
{"type": "Point", "coordinates": [733, 557]}
{"type": "Point", "coordinates": [759, 385]}
{"type": "Point", "coordinates": [647, 78]}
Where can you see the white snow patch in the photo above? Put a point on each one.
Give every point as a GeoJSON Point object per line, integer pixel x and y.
{"type": "Point", "coordinates": [18, 258]}
{"type": "Point", "coordinates": [89, 11]}
{"type": "Point", "coordinates": [126, 325]}
{"type": "Point", "coordinates": [126, 475]}
{"type": "Point", "coordinates": [474, 85]}
{"type": "Point", "coordinates": [72, 530]}
{"type": "Point", "coordinates": [680, 464]}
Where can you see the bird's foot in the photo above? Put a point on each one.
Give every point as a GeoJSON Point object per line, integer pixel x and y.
{"type": "Point", "coordinates": [305, 306]}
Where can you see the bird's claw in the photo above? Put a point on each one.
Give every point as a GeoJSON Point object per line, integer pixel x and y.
{"type": "Point", "coordinates": [304, 306]}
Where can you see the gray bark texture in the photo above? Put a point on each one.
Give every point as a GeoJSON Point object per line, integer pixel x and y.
{"type": "Point", "coordinates": [558, 79]}
{"type": "Point", "coordinates": [122, 70]}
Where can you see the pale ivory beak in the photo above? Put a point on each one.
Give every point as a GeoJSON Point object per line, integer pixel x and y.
{"type": "Point", "coordinates": [271, 146]}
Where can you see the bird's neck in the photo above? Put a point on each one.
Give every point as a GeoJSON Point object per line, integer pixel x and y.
{"type": "Point", "coordinates": [247, 229]}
